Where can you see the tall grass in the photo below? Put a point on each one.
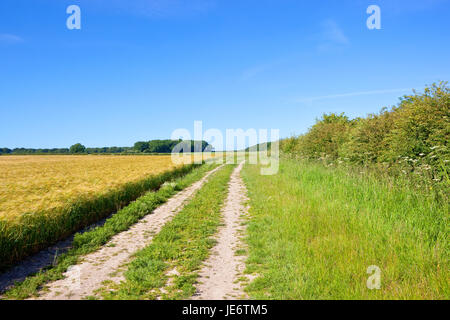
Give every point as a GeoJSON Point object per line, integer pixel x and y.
{"type": "Point", "coordinates": [315, 230]}
{"type": "Point", "coordinates": [32, 232]}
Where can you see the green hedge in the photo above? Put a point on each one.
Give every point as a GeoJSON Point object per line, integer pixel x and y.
{"type": "Point", "coordinates": [411, 137]}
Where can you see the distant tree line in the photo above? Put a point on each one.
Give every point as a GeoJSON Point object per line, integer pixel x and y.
{"type": "Point", "coordinates": [33, 151]}
{"type": "Point", "coordinates": [265, 146]}
{"type": "Point", "coordinates": [82, 149]}
{"type": "Point", "coordinates": [152, 146]}
{"type": "Point", "coordinates": [166, 146]}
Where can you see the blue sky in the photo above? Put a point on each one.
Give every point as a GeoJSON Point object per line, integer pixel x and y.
{"type": "Point", "coordinates": [137, 70]}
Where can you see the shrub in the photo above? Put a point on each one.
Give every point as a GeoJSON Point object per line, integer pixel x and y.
{"type": "Point", "coordinates": [323, 139]}
{"type": "Point", "coordinates": [367, 139]}
{"type": "Point", "coordinates": [77, 148]}
{"type": "Point", "coordinates": [421, 130]}
{"type": "Point", "coordinates": [412, 136]}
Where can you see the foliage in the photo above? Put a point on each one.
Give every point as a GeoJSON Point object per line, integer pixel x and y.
{"type": "Point", "coordinates": [412, 137]}
{"type": "Point", "coordinates": [77, 148]}
{"type": "Point", "coordinates": [421, 132]}
{"type": "Point", "coordinates": [167, 146]}
{"type": "Point", "coordinates": [366, 141]}
{"type": "Point", "coordinates": [265, 146]}
{"type": "Point", "coordinates": [5, 151]}
{"type": "Point", "coordinates": [152, 146]}
{"type": "Point", "coordinates": [325, 137]}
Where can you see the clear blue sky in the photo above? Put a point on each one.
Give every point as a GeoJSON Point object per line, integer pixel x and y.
{"type": "Point", "coordinates": [137, 70]}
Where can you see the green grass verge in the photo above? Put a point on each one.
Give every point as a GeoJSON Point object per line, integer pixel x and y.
{"type": "Point", "coordinates": [93, 239]}
{"type": "Point", "coordinates": [314, 231]}
{"type": "Point", "coordinates": [35, 231]}
{"type": "Point", "coordinates": [181, 245]}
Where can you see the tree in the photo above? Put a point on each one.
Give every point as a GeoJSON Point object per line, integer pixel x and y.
{"type": "Point", "coordinates": [166, 146]}
{"type": "Point", "coordinates": [141, 146]}
{"type": "Point", "coordinates": [5, 151]}
{"type": "Point", "coordinates": [77, 148]}
{"type": "Point", "coordinates": [326, 136]}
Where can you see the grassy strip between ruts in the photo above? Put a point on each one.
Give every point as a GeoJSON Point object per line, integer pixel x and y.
{"type": "Point", "coordinates": [314, 231]}
{"type": "Point", "coordinates": [92, 240]}
{"type": "Point", "coordinates": [178, 250]}
{"type": "Point", "coordinates": [37, 230]}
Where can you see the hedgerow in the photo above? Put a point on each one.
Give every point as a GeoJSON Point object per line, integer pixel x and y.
{"type": "Point", "coordinates": [409, 139]}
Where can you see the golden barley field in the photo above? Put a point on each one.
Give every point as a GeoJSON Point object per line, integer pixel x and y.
{"type": "Point", "coordinates": [36, 183]}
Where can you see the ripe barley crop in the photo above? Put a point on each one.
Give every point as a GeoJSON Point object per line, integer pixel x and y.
{"type": "Point", "coordinates": [46, 198]}
{"type": "Point", "coordinates": [36, 183]}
